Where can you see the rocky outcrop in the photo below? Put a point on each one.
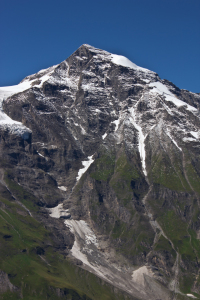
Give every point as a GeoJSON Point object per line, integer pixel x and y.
{"type": "Point", "coordinates": [5, 284]}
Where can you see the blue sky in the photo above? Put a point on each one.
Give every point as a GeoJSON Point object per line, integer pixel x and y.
{"type": "Point", "coordinates": [161, 35]}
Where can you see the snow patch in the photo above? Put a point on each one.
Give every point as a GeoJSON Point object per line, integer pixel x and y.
{"type": "Point", "coordinates": [8, 91]}
{"type": "Point", "coordinates": [116, 122]}
{"type": "Point", "coordinates": [62, 188]}
{"type": "Point", "coordinates": [59, 212]}
{"type": "Point", "coordinates": [5, 121]}
{"type": "Point", "coordinates": [192, 296]}
{"type": "Point", "coordinates": [161, 89]}
{"type": "Point", "coordinates": [189, 139]}
{"type": "Point", "coordinates": [125, 62]}
{"type": "Point", "coordinates": [86, 164]}
{"type": "Point", "coordinates": [195, 134]}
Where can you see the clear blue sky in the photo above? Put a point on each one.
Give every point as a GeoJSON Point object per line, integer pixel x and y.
{"type": "Point", "coordinates": [161, 35]}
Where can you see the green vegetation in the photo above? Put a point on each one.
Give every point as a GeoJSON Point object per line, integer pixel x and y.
{"type": "Point", "coordinates": [28, 199]}
{"type": "Point", "coordinates": [135, 239]}
{"type": "Point", "coordinates": [193, 177]}
{"type": "Point", "coordinates": [104, 167]}
{"type": "Point", "coordinates": [164, 245]}
{"type": "Point", "coordinates": [28, 256]}
{"type": "Point", "coordinates": [125, 180]}
{"type": "Point", "coordinates": [167, 174]}
{"type": "Point", "coordinates": [186, 281]}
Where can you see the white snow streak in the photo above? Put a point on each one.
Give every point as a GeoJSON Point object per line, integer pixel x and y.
{"type": "Point", "coordinates": [104, 136]}
{"type": "Point", "coordinates": [175, 143]}
{"type": "Point", "coordinates": [86, 164]}
{"type": "Point", "coordinates": [141, 144]}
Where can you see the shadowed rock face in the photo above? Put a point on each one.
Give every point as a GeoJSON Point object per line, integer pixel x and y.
{"type": "Point", "coordinates": [136, 139]}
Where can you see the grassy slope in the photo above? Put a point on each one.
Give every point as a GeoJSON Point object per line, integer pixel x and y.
{"type": "Point", "coordinates": [38, 274]}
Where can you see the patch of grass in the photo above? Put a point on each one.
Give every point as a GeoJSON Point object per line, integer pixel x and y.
{"type": "Point", "coordinates": [176, 231]}
{"type": "Point", "coordinates": [126, 180]}
{"type": "Point", "coordinates": [186, 282]}
{"type": "Point", "coordinates": [29, 200]}
{"type": "Point", "coordinates": [164, 245]}
{"type": "Point", "coordinates": [195, 242]}
{"type": "Point", "coordinates": [167, 174]}
{"type": "Point", "coordinates": [135, 239]}
{"type": "Point", "coordinates": [193, 176]}
{"type": "Point", "coordinates": [104, 167]}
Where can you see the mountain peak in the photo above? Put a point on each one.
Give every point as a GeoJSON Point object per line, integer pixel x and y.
{"type": "Point", "coordinates": [110, 156]}
{"type": "Point", "coordinates": [115, 58]}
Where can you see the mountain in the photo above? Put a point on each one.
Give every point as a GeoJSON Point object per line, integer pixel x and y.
{"type": "Point", "coordinates": [100, 183]}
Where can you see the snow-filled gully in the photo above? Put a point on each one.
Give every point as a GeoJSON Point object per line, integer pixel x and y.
{"type": "Point", "coordinates": [86, 249]}
{"type": "Point", "coordinates": [141, 144]}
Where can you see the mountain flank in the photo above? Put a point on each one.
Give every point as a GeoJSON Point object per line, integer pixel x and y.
{"type": "Point", "coordinates": [99, 183]}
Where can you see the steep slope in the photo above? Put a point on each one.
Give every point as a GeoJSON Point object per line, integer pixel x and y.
{"type": "Point", "coordinates": [110, 155]}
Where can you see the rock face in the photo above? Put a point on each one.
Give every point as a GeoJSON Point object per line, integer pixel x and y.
{"type": "Point", "coordinates": [113, 153]}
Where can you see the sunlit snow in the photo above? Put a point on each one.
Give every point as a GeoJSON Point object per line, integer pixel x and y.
{"type": "Point", "coordinates": [58, 211]}
{"type": "Point", "coordinates": [86, 164]}
{"type": "Point", "coordinates": [104, 136]}
{"type": "Point", "coordinates": [192, 296]}
{"type": "Point", "coordinates": [62, 188]}
{"type": "Point", "coordinates": [175, 143]}
{"type": "Point", "coordinates": [5, 120]}
{"type": "Point", "coordinates": [195, 134]}
{"type": "Point", "coordinates": [125, 62]}
{"type": "Point", "coordinates": [141, 144]}
{"type": "Point", "coordinates": [161, 89]}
